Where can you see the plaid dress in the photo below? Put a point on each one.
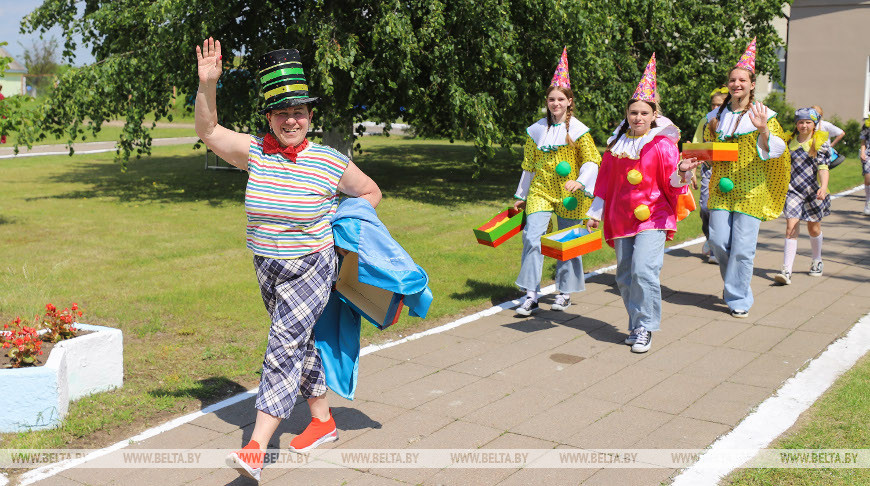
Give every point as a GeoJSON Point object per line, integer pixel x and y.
{"type": "Point", "coordinates": [865, 137]}
{"type": "Point", "coordinates": [295, 293]}
{"type": "Point", "coordinates": [800, 201]}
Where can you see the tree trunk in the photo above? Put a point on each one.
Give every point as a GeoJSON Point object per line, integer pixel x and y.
{"type": "Point", "coordinates": [340, 138]}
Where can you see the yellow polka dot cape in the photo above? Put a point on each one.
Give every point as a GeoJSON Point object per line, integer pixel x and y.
{"type": "Point", "coordinates": [760, 185]}
{"type": "Point", "coordinates": [547, 190]}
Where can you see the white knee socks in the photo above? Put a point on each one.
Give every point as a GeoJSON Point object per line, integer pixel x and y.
{"type": "Point", "coordinates": [789, 253]}
{"type": "Point", "coordinates": [816, 244]}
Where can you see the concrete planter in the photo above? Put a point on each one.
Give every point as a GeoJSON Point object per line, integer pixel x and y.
{"type": "Point", "coordinates": [38, 397]}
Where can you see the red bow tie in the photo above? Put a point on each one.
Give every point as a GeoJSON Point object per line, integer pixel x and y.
{"type": "Point", "coordinates": [271, 146]}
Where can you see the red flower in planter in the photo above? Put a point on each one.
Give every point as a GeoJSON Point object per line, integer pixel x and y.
{"type": "Point", "coordinates": [59, 323]}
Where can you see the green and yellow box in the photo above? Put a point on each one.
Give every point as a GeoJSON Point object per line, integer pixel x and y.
{"type": "Point", "coordinates": [570, 242]}
{"type": "Point", "coordinates": [500, 227]}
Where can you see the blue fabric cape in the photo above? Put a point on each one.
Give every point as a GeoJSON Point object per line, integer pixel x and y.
{"type": "Point", "coordinates": [382, 263]}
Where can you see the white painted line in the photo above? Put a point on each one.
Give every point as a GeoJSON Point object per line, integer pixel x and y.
{"type": "Point", "coordinates": [779, 412]}
{"type": "Point", "coordinates": [53, 469]}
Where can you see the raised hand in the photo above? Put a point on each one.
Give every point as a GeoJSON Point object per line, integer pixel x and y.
{"type": "Point", "coordinates": [208, 60]}
{"type": "Point", "coordinates": [758, 116]}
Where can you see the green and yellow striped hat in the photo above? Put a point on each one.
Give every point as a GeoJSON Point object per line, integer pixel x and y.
{"type": "Point", "coordinates": [283, 80]}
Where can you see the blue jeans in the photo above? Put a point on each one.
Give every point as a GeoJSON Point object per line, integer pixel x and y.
{"type": "Point", "coordinates": [639, 261]}
{"type": "Point", "coordinates": [733, 238]}
{"type": "Point", "coordinates": [569, 274]}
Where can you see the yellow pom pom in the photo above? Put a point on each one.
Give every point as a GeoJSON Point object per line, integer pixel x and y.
{"type": "Point", "coordinates": [642, 212]}
{"type": "Point", "coordinates": [634, 176]}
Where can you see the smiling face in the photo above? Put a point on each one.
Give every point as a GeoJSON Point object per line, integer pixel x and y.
{"type": "Point", "coordinates": [290, 125]}
{"type": "Point", "coordinates": [805, 127]}
{"type": "Point", "coordinates": [640, 116]}
{"type": "Point", "coordinates": [558, 103]}
{"type": "Point", "coordinates": [740, 83]}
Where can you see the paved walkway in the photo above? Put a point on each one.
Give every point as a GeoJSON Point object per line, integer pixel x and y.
{"type": "Point", "coordinates": [84, 147]}
{"type": "Point", "coordinates": [565, 380]}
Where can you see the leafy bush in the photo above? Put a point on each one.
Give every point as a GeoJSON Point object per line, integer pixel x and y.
{"type": "Point", "coordinates": [850, 143]}
{"type": "Point", "coordinates": [785, 111]}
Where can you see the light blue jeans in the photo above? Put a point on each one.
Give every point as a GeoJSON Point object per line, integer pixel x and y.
{"type": "Point", "coordinates": [569, 275]}
{"type": "Point", "coordinates": [733, 238]}
{"type": "Point", "coordinates": [639, 261]}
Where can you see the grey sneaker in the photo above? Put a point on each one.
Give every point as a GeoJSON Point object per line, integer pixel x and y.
{"type": "Point", "coordinates": [816, 268]}
{"type": "Point", "coordinates": [562, 302]}
{"type": "Point", "coordinates": [527, 307]}
{"type": "Point", "coordinates": [711, 258]}
{"type": "Point", "coordinates": [642, 342]}
{"type": "Point", "coordinates": [783, 277]}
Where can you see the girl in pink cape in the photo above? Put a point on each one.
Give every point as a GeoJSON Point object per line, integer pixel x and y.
{"type": "Point", "coordinates": [636, 193]}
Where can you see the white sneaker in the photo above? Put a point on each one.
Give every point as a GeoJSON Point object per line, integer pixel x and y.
{"type": "Point", "coordinates": [632, 337]}
{"type": "Point", "coordinates": [816, 268]}
{"type": "Point", "coordinates": [562, 302]}
{"type": "Point", "coordinates": [867, 208]}
{"type": "Point", "coordinates": [527, 307]}
{"type": "Point", "coordinates": [643, 342]}
{"type": "Point", "coordinates": [712, 259]}
{"type": "Point", "coordinates": [783, 277]}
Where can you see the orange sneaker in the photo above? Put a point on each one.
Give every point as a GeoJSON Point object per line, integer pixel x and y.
{"type": "Point", "coordinates": [316, 433]}
{"type": "Point", "coordinates": [248, 461]}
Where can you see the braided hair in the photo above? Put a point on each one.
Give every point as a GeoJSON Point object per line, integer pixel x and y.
{"type": "Point", "coordinates": [714, 123]}
{"type": "Point", "coordinates": [569, 112]}
{"type": "Point", "coordinates": [624, 125]}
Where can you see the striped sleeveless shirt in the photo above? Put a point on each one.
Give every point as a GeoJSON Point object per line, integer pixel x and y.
{"type": "Point", "coordinates": [289, 205]}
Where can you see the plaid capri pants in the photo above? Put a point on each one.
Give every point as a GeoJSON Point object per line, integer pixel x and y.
{"type": "Point", "coordinates": [295, 293]}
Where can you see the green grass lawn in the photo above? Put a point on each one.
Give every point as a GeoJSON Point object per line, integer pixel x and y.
{"type": "Point", "coordinates": [839, 420]}
{"type": "Point", "coordinates": [158, 251]}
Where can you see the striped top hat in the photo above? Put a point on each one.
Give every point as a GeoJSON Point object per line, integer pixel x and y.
{"type": "Point", "coordinates": [283, 80]}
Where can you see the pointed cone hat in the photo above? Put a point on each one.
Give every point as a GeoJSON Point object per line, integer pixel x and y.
{"type": "Point", "coordinates": [647, 89]}
{"type": "Point", "coordinates": [560, 77]}
{"type": "Point", "coordinates": [747, 60]}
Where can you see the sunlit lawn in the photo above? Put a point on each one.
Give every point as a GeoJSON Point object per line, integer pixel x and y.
{"type": "Point", "coordinates": [159, 252]}
{"type": "Point", "coordinates": [839, 420]}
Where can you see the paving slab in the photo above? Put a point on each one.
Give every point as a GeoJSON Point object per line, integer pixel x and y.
{"type": "Point", "coordinates": [565, 380]}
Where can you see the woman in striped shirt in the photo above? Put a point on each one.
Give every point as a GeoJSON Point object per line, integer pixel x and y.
{"type": "Point", "coordinates": [292, 193]}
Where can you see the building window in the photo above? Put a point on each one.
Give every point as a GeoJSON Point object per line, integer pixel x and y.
{"type": "Point", "coordinates": [779, 85]}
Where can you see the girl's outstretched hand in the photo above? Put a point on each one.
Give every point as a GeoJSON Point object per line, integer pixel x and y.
{"type": "Point", "coordinates": [572, 186]}
{"type": "Point", "coordinates": [592, 224]}
{"type": "Point", "coordinates": [208, 60]}
{"type": "Point", "coordinates": [758, 115]}
{"type": "Point", "coordinates": [519, 204]}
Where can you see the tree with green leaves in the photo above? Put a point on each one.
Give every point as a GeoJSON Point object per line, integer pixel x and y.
{"type": "Point", "coordinates": [466, 70]}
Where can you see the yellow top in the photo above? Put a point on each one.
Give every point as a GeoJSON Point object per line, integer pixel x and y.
{"type": "Point", "coordinates": [759, 185]}
{"type": "Point", "coordinates": [547, 190]}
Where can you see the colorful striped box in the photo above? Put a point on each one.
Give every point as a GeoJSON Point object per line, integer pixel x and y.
{"type": "Point", "coordinates": [380, 307]}
{"type": "Point", "coordinates": [501, 227]}
{"type": "Point", "coordinates": [570, 242]}
{"type": "Point", "coordinates": [718, 151]}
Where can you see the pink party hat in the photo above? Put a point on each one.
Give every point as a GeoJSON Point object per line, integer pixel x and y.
{"type": "Point", "coordinates": [646, 89]}
{"type": "Point", "coordinates": [747, 60]}
{"type": "Point", "coordinates": [560, 77]}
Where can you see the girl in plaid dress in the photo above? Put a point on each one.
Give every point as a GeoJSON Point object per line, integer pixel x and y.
{"type": "Point", "coordinates": [865, 164]}
{"type": "Point", "coordinates": [807, 198]}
